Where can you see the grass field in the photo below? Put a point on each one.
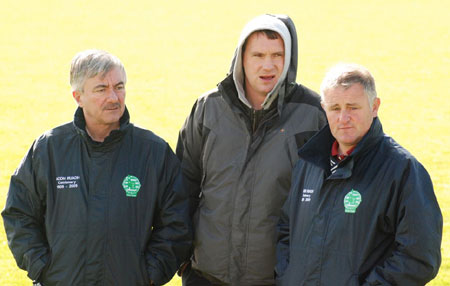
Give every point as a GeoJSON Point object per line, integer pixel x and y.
{"type": "Point", "coordinates": [176, 50]}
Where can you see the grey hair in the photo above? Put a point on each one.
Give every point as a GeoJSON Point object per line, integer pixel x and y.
{"type": "Point", "coordinates": [89, 63]}
{"type": "Point", "coordinates": [347, 74]}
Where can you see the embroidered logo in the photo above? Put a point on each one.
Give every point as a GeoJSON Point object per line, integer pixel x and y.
{"type": "Point", "coordinates": [131, 185]}
{"type": "Point", "coordinates": [306, 196]}
{"type": "Point", "coordinates": [351, 201]}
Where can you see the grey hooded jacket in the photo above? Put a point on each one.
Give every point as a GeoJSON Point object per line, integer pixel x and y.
{"type": "Point", "coordinates": [238, 163]}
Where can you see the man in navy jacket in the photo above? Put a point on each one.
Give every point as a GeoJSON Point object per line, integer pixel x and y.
{"type": "Point", "coordinates": [362, 209]}
{"type": "Point", "coordinates": [98, 201]}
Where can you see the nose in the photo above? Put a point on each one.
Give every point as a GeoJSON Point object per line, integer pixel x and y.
{"type": "Point", "coordinates": [344, 116]}
{"type": "Point", "coordinates": [268, 63]}
{"type": "Point", "coordinates": [112, 95]}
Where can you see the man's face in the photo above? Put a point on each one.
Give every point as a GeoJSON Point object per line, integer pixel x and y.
{"type": "Point", "coordinates": [103, 98]}
{"type": "Point", "coordinates": [349, 114]}
{"type": "Point", "coordinates": [263, 62]}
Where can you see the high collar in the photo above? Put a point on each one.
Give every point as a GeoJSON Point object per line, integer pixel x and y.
{"type": "Point", "coordinates": [317, 149]}
{"type": "Point", "coordinates": [228, 90]}
{"type": "Point", "coordinates": [110, 141]}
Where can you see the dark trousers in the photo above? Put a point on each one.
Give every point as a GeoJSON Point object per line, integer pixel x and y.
{"type": "Point", "coordinates": [192, 277]}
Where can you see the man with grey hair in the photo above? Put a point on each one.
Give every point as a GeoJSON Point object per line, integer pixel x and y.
{"type": "Point", "coordinates": [98, 201]}
{"type": "Point", "coordinates": [361, 210]}
{"type": "Point", "coordinates": [238, 147]}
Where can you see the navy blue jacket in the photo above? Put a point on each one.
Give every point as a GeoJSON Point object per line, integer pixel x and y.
{"type": "Point", "coordinates": [79, 212]}
{"type": "Point", "coordinates": [374, 221]}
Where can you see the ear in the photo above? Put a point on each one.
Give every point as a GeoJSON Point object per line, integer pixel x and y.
{"type": "Point", "coordinates": [77, 96]}
{"type": "Point", "coordinates": [375, 106]}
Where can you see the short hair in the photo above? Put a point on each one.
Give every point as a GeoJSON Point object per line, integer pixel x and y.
{"type": "Point", "coordinates": [90, 63]}
{"type": "Point", "coordinates": [347, 74]}
{"type": "Point", "coordinates": [269, 34]}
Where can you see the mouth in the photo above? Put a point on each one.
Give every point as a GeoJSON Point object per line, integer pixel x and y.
{"type": "Point", "coordinates": [267, 77]}
{"type": "Point", "coordinates": [345, 128]}
{"type": "Point", "coordinates": [112, 107]}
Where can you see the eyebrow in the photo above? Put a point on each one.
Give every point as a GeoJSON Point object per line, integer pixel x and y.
{"type": "Point", "coordinates": [347, 104]}
{"type": "Point", "coordinates": [105, 85]}
{"type": "Point", "coordinates": [262, 53]}
{"type": "Point", "coordinates": [100, 86]}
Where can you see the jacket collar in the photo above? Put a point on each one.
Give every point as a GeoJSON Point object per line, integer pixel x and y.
{"type": "Point", "coordinates": [115, 136]}
{"type": "Point", "coordinates": [229, 92]}
{"type": "Point", "coordinates": [318, 149]}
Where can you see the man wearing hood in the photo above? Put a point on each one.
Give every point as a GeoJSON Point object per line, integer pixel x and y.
{"type": "Point", "coordinates": [237, 148]}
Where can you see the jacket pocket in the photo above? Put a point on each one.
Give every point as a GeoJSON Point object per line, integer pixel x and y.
{"type": "Point", "coordinates": [205, 154]}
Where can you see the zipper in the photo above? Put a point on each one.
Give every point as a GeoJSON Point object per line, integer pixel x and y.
{"type": "Point", "coordinates": [254, 125]}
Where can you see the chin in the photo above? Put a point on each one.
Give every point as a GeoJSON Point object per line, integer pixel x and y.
{"type": "Point", "coordinates": [346, 140]}
{"type": "Point", "coordinates": [266, 90]}
{"type": "Point", "coordinates": [112, 120]}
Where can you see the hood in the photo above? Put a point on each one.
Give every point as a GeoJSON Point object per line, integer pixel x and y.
{"type": "Point", "coordinates": [284, 26]}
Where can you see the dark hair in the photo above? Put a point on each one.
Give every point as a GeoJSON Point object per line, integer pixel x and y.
{"type": "Point", "coordinates": [269, 34]}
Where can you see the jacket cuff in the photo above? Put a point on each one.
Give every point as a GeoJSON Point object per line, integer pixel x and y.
{"type": "Point", "coordinates": [35, 271]}
{"type": "Point", "coordinates": [157, 277]}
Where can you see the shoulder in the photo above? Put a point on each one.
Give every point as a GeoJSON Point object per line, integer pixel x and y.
{"type": "Point", "coordinates": [208, 100]}
{"type": "Point", "coordinates": [303, 110]}
{"type": "Point", "coordinates": [148, 137]}
{"type": "Point", "coordinates": [51, 143]}
{"type": "Point", "coordinates": [59, 131]}
{"type": "Point", "coordinates": [304, 95]}
{"type": "Point", "coordinates": [209, 95]}
{"type": "Point", "coordinates": [400, 157]}
{"type": "Point", "coordinates": [208, 108]}
{"type": "Point", "coordinates": [155, 149]}
{"type": "Point", "coordinates": [395, 151]}
{"type": "Point", "coordinates": [56, 135]}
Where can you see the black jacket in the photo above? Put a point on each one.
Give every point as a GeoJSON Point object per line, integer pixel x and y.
{"type": "Point", "coordinates": [375, 221]}
{"type": "Point", "coordinates": [73, 216]}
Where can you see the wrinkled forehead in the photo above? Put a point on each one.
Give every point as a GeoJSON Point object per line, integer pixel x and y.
{"type": "Point", "coordinates": [345, 94]}
{"type": "Point", "coordinates": [112, 77]}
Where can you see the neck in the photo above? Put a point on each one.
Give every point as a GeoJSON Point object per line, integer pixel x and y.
{"type": "Point", "coordinates": [255, 99]}
{"type": "Point", "coordinates": [98, 133]}
{"type": "Point", "coordinates": [343, 149]}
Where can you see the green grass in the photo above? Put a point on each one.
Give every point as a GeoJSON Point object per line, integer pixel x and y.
{"type": "Point", "coordinates": [176, 50]}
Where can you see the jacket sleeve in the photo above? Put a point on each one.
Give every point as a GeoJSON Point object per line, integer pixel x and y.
{"type": "Point", "coordinates": [416, 258]}
{"type": "Point", "coordinates": [23, 218]}
{"type": "Point", "coordinates": [189, 149]}
{"type": "Point", "coordinates": [171, 238]}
